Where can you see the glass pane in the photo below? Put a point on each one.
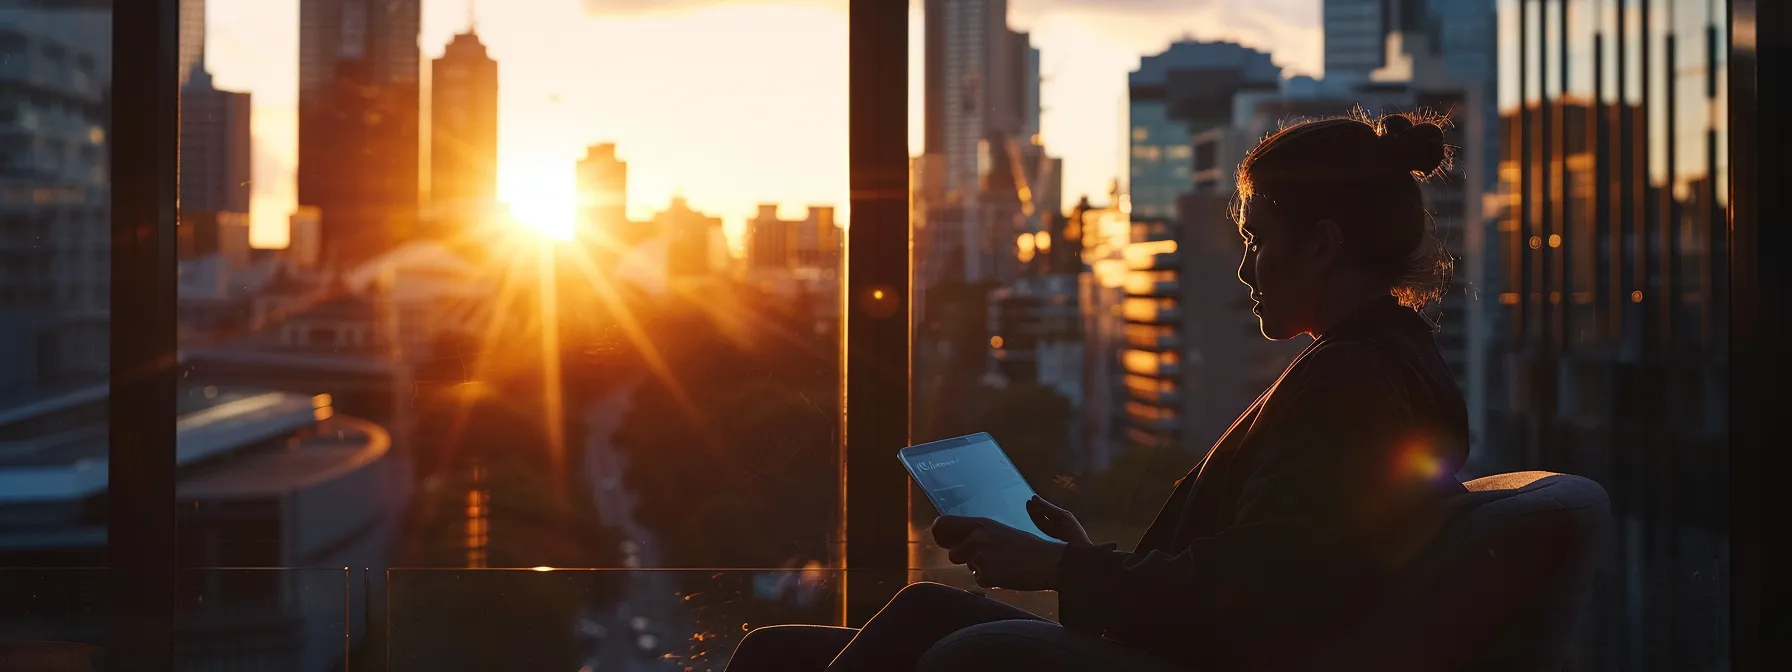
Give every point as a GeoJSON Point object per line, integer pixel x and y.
{"type": "Point", "coordinates": [594, 619]}
{"type": "Point", "coordinates": [54, 618]}
{"type": "Point", "coordinates": [257, 619]}
{"type": "Point", "coordinates": [1646, 421]}
{"type": "Point", "coordinates": [518, 284]}
{"type": "Point", "coordinates": [55, 275]}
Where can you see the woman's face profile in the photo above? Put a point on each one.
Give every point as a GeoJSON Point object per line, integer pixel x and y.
{"type": "Point", "coordinates": [1276, 269]}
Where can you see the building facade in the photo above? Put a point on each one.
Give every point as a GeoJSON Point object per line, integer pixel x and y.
{"type": "Point", "coordinates": [55, 262]}
{"type": "Point", "coordinates": [215, 167]}
{"type": "Point", "coordinates": [358, 122]}
{"type": "Point", "coordinates": [1175, 95]}
{"type": "Point", "coordinates": [1614, 353]}
{"type": "Point", "coordinates": [602, 184]}
{"type": "Point", "coordinates": [463, 135]}
{"type": "Point", "coordinates": [693, 239]}
{"type": "Point", "coordinates": [1355, 37]}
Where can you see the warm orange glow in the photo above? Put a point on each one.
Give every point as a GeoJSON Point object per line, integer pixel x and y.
{"type": "Point", "coordinates": [1555, 240]}
{"type": "Point", "coordinates": [1536, 242]}
{"type": "Point", "coordinates": [1416, 460]}
{"type": "Point", "coordinates": [1043, 241]}
{"type": "Point", "coordinates": [995, 341]}
{"type": "Point", "coordinates": [541, 196]}
{"type": "Point", "coordinates": [1636, 296]}
{"type": "Point", "coordinates": [877, 294]}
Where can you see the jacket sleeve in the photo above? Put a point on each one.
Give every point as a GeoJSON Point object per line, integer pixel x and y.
{"type": "Point", "coordinates": [1334, 476]}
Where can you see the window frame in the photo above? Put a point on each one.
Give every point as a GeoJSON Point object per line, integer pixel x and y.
{"type": "Point", "coordinates": [872, 541]}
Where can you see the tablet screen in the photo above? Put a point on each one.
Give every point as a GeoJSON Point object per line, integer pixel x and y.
{"type": "Point", "coordinates": [971, 476]}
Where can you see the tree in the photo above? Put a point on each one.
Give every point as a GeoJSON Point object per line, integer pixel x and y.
{"type": "Point", "coordinates": [733, 447]}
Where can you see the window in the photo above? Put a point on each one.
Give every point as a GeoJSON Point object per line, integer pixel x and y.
{"type": "Point", "coordinates": [450, 352]}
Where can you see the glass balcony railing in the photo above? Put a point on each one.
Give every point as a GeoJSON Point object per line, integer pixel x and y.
{"type": "Point", "coordinates": [541, 618]}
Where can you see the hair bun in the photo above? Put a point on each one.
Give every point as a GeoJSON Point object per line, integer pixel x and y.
{"type": "Point", "coordinates": [1414, 147]}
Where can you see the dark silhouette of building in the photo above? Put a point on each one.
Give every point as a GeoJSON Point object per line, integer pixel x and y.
{"type": "Point", "coordinates": [1615, 352]}
{"type": "Point", "coordinates": [358, 122]}
{"type": "Point", "coordinates": [603, 198]}
{"type": "Point", "coordinates": [463, 135]}
{"type": "Point", "coordinates": [694, 242]}
{"type": "Point", "coordinates": [784, 244]}
{"type": "Point", "coordinates": [215, 172]}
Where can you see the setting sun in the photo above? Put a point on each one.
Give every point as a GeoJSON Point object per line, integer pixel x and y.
{"type": "Point", "coordinates": [540, 196]}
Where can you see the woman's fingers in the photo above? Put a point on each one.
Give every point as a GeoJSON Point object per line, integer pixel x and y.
{"type": "Point", "coordinates": [965, 551]}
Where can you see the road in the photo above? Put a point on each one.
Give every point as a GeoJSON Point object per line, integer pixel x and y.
{"type": "Point", "coordinates": [651, 620]}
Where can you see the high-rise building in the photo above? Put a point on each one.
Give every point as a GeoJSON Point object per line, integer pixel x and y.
{"type": "Point", "coordinates": [691, 239]}
{"type": "Point", "coordinates": [303, 247]}
{"type": "Point", "coordinates": [981, 109]}
{"type": "Point", "coordinates": [1614, 240]}
{"type": "Point", "coordinates": [1355, 37]}
{"type": "Point", "coordinates": [463, 133]}
{"type": "Point", "coordinates": [358, 122]}
{"type": "Point", "coordinates": [603, 197]}
{"type": "Point", "coordinates": [818, 239]}
{"type": "Point", "coordinates": [1175, 95]}
{"type": "Point", "coordinates": [215, 167]}
{"type": "Point", "coordinates": [813, 242]}
{"type": "Point", "coordinates": [192, 40]}
{"type": "Point", "coordinates": [55, 296]}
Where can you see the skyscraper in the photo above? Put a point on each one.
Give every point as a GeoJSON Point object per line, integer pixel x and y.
{"type": "Point", "coordinates": [192, 39]}
{"type": "Point", "coordinates": [463, 133]}
{"type": "Point", "coordinates": [1174, 96]}
{"type": "Point", "coordinates": [358, 122]}
{"type": "Point", "coordinates": [691, 237]}
{"type": "Point", "coordinates": [1355, 37]}
{"type": "Point", "coordinates": [54, 294]}
{"type": "Point", "coordinates": [603, 197]}
{"type": "Point", "coordinates": [214, 147]}
{"type": "Point", "coordinates": [981, 110]}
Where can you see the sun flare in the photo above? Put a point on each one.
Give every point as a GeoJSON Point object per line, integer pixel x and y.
{"type": "Point", "coordinates": [540, 197]}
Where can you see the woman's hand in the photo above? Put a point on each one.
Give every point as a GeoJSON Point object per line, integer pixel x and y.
{"type": "Point", "coordinates": [1055, 521]}
{"type": "Point", "coordinates": [1000, 556]}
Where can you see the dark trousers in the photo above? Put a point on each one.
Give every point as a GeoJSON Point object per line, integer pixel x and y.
{"type": "Point", "coordinates": [936, 628]}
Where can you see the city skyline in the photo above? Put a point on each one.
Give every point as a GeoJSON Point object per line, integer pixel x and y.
{"type": "Point", "coordinates": [549, 112]}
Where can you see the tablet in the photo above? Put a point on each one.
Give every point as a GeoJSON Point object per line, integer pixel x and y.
{"type": "Point", "coordinates": [971, 476]}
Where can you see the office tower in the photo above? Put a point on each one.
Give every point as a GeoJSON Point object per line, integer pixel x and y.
{"type": "Point", "coordinates": [304, 237]}
{"type": "Point", "coordinates": [690, 239]}
{"type": "Point", "coordinates": [813, 242]}
{"type": "Point", "coordinates": [1183, 91]}
{"type": "Point", "coordinates": [215, 167]}
{"type": "Point", "coordinates": [981, 109]}
{"type": "Point", "coordinates": [463, 134]}
{"type": "Point", "coordinates": [358, 122]}
{"type": "Point", "coordinates": [818, 239]}
{"type": "Point", "coordinates": [54, 229]}
{"type": "Point", "coordinates": [1614, 243]}
{"type": "Point", "coordinates": [215, 135]}
{"type": "Point", "coordinates": [192, 39]}
{"type": "Point", "coordinates": [1355, 37]}
{"type": "Point", "coordinates": [768, 239]}
{"type": "Point", "coordinates": [603, 197]}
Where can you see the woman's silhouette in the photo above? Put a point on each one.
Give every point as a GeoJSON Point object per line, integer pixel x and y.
{"type": "Point", "coordinates": [1301, 512]}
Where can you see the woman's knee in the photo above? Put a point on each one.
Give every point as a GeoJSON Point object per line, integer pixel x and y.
{"type": "Point", "coordinates": [927, 591]}
{"type": "Point", "coordinates": [1000, 644]}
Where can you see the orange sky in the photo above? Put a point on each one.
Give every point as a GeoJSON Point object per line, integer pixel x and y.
{"type": "Point", "coordinates": [728, 102]}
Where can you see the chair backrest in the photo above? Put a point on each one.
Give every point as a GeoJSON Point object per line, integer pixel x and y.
{"type": "Point", "coordinates": [1500, 587]}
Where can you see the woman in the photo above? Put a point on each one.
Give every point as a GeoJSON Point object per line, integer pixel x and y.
{"type": "Point", "coordinates": [1304, 509]}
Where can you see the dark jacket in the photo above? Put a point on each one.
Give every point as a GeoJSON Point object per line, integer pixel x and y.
{"type": "Point", "coordinates": [1290, 527]}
